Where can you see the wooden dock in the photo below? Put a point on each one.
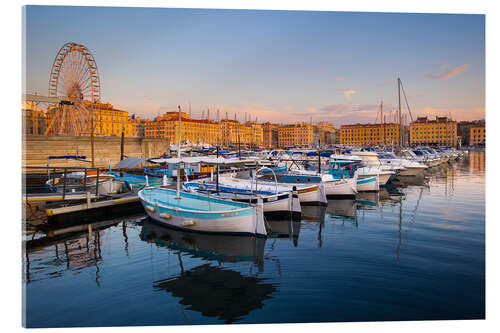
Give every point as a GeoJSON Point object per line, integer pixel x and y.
{"type": "Point", "coordinates": [65, 214]}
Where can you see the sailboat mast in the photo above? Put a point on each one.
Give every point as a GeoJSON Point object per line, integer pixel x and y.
{"type": "Point", "coordinates": [179, 156]}
{"type": "Point", "coordinates": [239, 148]}
{"type": "Point", "coordinates": [382, 122]}
{"type": "Point", "coordinates": [399, 114]}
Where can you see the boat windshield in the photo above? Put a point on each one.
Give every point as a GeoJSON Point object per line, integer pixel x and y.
{"type": "Point", "coordinates": [386, 156]}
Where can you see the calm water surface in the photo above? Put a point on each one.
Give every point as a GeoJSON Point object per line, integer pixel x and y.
{"type": "Point", "coordinates": [414, 251]}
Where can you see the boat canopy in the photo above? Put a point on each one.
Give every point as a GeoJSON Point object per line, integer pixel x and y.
{"type": "Point", "coordinates": [201, 159]}
{"type": "Point", "coordinates": [130, 163]}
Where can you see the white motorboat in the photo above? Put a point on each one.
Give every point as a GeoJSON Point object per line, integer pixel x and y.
{"type": "Point", "coordinates": [309, 194]}
{"type": "Point", "coordinates": [334, 188]}
{"type": "Point", "coordinates": [407, 167]}
{"type": "Point", "coordinates": [372, 167]}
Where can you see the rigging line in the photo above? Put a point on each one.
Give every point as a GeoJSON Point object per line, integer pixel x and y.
{"type": "Point", "coordinates": [406, 100]}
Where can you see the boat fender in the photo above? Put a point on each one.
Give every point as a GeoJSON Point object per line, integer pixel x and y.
{"type": "Point", "coordinates": [166, 215]}
{"type": "Point", "coordinates": [188, 223]}
{"type": "Point", "coordinates": [151, 209]}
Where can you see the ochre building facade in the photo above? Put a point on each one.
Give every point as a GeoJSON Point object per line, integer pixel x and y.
{"type": "Point", "coordinates": [440, 131]}
{"type": "Point", "coordinates": [369, 134]}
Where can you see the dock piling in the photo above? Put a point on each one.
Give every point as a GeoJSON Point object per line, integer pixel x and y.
{"type": "Point", "coordinates": [64, 184]}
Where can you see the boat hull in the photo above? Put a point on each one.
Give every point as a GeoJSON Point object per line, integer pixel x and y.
{"type": "Point", "coordinates": [368, 184]}
{"type": "Point", "coordinates": [383, 178]}
{"type": "Point", "coordinates": [312, 196]}
{"type": "Point", "coordinates": [341, 188]}
{"type": "Point", "coordinates": [410, 171]}
{"type": "Point", "coordinates": [279, 208]}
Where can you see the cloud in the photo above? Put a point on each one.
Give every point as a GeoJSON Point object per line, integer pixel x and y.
{"type": "Point", "coordinates": [348, 92]}
{"type": "Point", "coordinates": [447, 73]}
{"type": "Point", "coordinates": [339, 78]}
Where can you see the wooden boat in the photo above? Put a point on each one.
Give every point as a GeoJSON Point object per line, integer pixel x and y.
{"type": "Point", "coordinates": [195, 212]}
{"type": "Point", "coordinates": [80, 182]}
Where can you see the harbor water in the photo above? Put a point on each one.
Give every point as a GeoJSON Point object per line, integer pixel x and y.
{"type": "Point", "coordinates": [413, 251]}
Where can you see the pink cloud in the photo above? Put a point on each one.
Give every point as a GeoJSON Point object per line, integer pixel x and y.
{"type": "Point", "coordinates": [339, 79]}
{"type": "Point", "coordinates": [447, 73]}
{"type": "Point", "coordinates": [348, 92]}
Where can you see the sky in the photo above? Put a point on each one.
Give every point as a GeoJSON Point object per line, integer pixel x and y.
{"type": "Point", "coordinates": [278, 66]}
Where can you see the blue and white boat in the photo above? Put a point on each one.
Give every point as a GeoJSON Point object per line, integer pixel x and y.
{"type": "Point", "coordinates": [345, 167]}
{"type": "Point", "coordinates": [195, 212]}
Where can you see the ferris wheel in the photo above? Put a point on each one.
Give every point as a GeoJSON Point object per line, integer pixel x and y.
{"type": "Point", "coordinates": [74, 78]}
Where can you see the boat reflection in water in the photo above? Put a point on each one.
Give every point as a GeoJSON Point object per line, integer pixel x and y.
{"type": "Point", "coordinates": [313, 213]}
{"type": "Point", "coordinates": [367, 200]}
{"type": "Point", "coordinates": [75, 248]}
{"type": "Point", "coordinates": [345, 208]}
{"type": "Point", "coordinates": [220, 248]}
{"type": "Point", "coordinates": [390, 195]}
{"type": "Point", "coordinates": [213, 291]}
{"type": "Point", "coordinates": [404, 181]}
{"type": "Point", "coordinates": [285, 229]}
{"type": "Point", "coordinates": [218, 292]}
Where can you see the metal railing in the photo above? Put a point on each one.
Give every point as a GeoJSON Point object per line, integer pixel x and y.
{"type": "Point", "coordinates": [43, 179]}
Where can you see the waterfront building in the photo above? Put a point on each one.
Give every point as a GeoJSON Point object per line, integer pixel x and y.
{"type": "Point", "coordinates": [107, 121]}
{"type": "Point", "coordinates": [234, 132]}
{"type": "Point", "coordinates": [326, 132]}
{"type": "Point", "coordinates": [441, 131]}
{"type": "Point", "coordinates": [270, 135]}
{"type": "Point", "coordinates": [298, 134]}
{"type": "Point", "coordinates": [369, 134]}
{"type": "Point", "coordinates": [33, 119]}
{"type": "Point", "coordinates": [464, 132]}
{"type": "Point", "coordinates": [477, 135]}
{"type": "Point", "coordinates": [137, 126]}
{"type": "Point", "coordinates": [192, 130]}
